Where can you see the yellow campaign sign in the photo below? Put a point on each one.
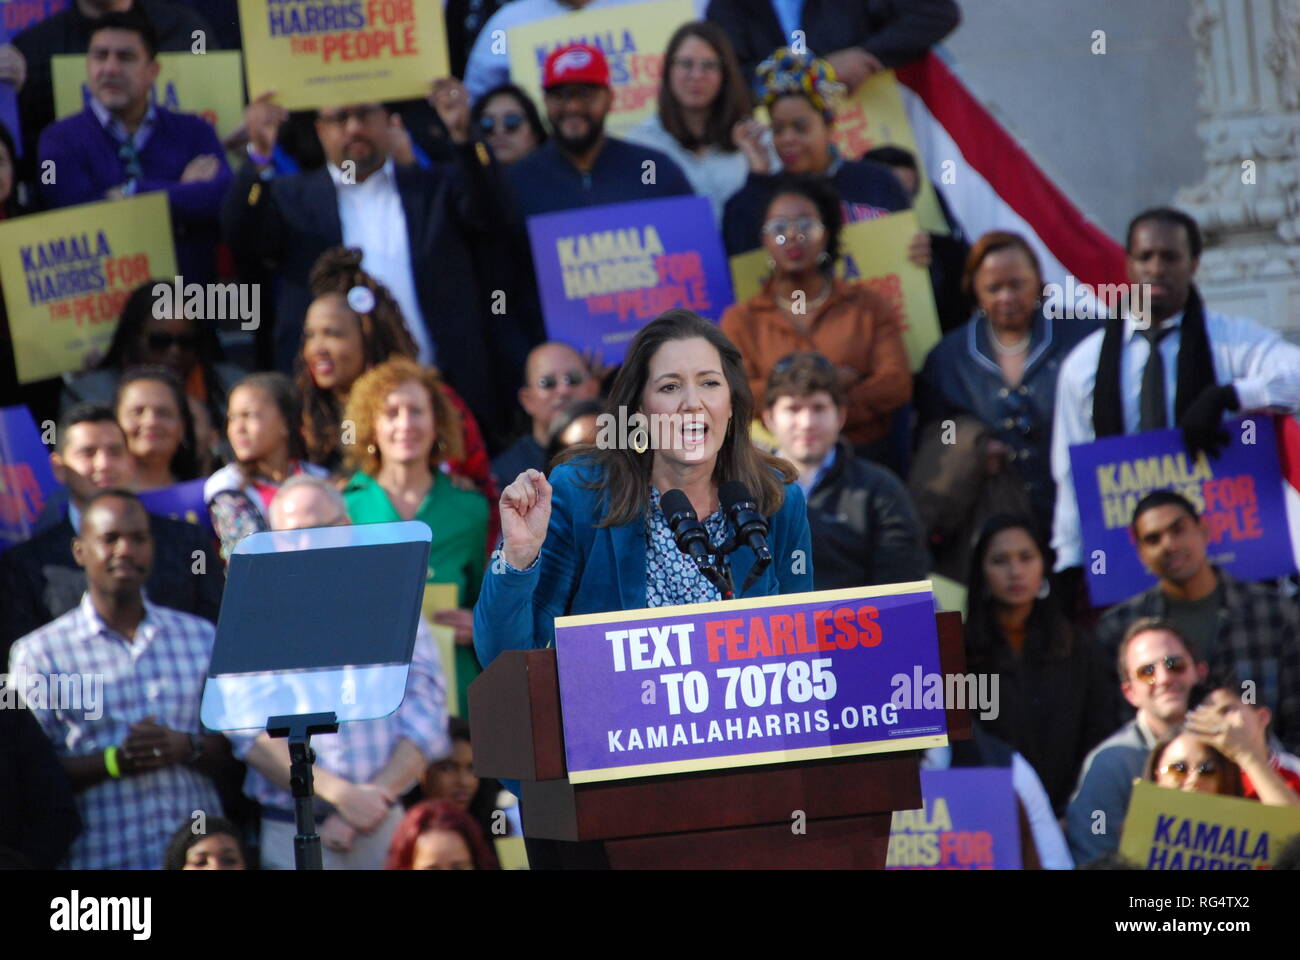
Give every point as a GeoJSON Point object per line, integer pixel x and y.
{"type": "Point", "coordinates": [439, 597]}
{"type": "Point", "coordinates": [633, 38]}
{"type": "Point", "coordinates": [1170, 829]}
{"type": "Point", "coordinates": [67, 273]}
{"type": "Point", "coordinates": [874, 117]}
{"type": "Point", "coordinates": [358, 51]}
{"type": "Point", "coordinates": [872, 252]}
{"type": "Point", "coordinates": [209, 85]}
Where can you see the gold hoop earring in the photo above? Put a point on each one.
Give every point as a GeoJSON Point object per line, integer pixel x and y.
{"type": "Point", "coordinates": [645, 445]}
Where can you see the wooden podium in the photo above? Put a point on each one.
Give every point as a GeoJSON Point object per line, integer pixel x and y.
{"type": "Point", "coordinates": [745, 817]}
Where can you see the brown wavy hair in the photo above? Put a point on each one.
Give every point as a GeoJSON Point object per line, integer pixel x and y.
{"type": "Point", "coordinates": [367, 398]}
{"type": "Point", "coordinates": [383, 335]}
{"type": "Point", "coordinates": [732, 103]}
{"type": "Point", "coordinates": [626, 480]}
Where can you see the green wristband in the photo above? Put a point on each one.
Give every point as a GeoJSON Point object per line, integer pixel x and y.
{"type": "Point", "coordinates": [110, 763]}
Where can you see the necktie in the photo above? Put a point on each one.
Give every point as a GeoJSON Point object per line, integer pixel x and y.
{"type": "Point", "coordinates": [1152, 411]}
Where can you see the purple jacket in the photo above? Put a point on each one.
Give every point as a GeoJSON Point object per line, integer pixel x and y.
{"type": "Point", "coordinates": [87, 166]}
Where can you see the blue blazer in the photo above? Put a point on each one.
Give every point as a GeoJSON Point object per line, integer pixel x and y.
{"type": "Point", "coordinates": [585, 569]}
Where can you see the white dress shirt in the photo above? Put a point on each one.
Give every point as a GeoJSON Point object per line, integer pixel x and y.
{"type": "Point", "coordinates": [1255, 359]}
{"type": "Point", "coordinates": [372, 218]}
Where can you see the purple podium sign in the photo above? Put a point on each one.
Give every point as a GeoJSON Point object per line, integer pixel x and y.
{"type": "Point", "coordinates": [1239, 495]}
{"type": "Point", "coordinates": [605, 272]}
{"type": "Point", "coordinates": [751, 681]}
{"type": "Point", "coordinates": [967, 822]}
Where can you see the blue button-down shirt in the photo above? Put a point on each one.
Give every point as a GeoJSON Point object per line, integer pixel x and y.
{"type": "Point", "coordinates": [86, 685]}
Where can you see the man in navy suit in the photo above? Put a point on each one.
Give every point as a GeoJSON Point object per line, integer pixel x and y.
{"type": "Point", "coordinates": [412, 225]}
{"type": "Point", "coordinates": [123, 144]}
{"type": "Point", "coordinates": [40, 580]}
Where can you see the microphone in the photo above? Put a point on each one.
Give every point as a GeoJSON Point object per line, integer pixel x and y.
{"type": "Point", "coordinates": [750, 526]}
{"type": "Point", "coordinates": [691, 536]}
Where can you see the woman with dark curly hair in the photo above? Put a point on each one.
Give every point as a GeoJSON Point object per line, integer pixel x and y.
{"type": "Point", "coordinates": [406, 428]}
{"type": "Point", "coordinates": [153, 413]}
{"type": "Point", "coordinates": [354, 324]}
{"type": "Point", "coordinates": [438, 835]}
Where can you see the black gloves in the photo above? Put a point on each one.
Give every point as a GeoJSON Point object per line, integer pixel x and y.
{"type": "Point", "coordinates": [1202, 424]}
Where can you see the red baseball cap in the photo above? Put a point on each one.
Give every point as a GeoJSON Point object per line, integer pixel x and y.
{"type": "Point", "coordinates": [576, 63]}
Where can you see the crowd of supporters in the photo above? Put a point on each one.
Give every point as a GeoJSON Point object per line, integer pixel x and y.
{"type": "Point", "coordinates": [401, 370]}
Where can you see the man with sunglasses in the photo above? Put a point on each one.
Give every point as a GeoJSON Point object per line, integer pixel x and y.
{"type": "Point", "coordinates": [581, 166]}
{"type": "Point", "coordinates": [1158, 667]}
{"type": "Point", "coordinates": [1248, 630]}
{"type": "Point", "coordinates": [555, 375]}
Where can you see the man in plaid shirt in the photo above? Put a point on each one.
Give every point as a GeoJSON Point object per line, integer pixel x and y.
{"type": "Point", "coordinates": [130, 739]}
{"type": "Point", "coordinates": [362, 771]}
{"type": "Point", "coordinates": [1247, 630]}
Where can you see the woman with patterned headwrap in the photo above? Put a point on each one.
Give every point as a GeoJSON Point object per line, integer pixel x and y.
{"type": "Point", "coordinates": [800, 93]}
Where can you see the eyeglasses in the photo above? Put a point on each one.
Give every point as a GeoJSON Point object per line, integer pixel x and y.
{"type": "Point", "coordinates": [571, 379]}
{"type": "Point", "coordinates": [1179, 769]}
{"type": "Point", "coordinates": [340, 119]}
{"type": "Point", "coordinates": [510, 122]}
{"type": "Point", "coordinates": [802, 229]}
{"type": "Point", "coordinates": [687, 65]}
{"type": "Point", "coordinates": [159, 342]}
{"type": "Point", "coordinates": [1147, 672]}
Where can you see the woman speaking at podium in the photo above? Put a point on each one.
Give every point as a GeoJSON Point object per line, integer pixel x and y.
{"type": "Point", "coordinates": [594, 538]}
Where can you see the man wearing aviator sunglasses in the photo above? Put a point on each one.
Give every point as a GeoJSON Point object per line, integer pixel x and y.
{"type": "Point", "coordinates": [555, 376]}
{"type": "Point", "coordinates": [1158, 666]}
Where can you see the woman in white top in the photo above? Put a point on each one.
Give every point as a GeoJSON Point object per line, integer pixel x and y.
{"type": "Point", "coordinates": [704, 113]}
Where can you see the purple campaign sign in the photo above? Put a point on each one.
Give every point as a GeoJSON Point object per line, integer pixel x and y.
{"type": "Point", "coordinates": [8, 95]}
{"type": "Point", "coordinates": [967, 822]}
{"type": "Point", "coordinates": [605, 272]}
{"type": "Point", "coordinates": [743, 682]}
{"type": "Point", "coordinates": [181, 501]}
{"type": "Point", "coordinates": [1240, 496]}
{"type": "Point", "coordinates": [26, 480]}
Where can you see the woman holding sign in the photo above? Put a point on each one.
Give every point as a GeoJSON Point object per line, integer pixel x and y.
{"type": "Point", "coordinates": [595, 538]}
{"type": "Point", "coordinates": [803, 306]}
{"type": "Point", "coordinates": [800, 93]}
{"type": "Point", "coordinates": [703, 113]}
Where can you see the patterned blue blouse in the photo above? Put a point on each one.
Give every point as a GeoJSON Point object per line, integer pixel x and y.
{"type": "Point", "coordinates": [670, 576]}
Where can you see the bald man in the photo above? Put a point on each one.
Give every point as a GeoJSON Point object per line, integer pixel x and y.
{"type": "Point", "coordinates": [555, 376]}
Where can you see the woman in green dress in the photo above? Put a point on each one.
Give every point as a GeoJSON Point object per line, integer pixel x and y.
{"type": "Point", "coordinates": [406, 430]}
